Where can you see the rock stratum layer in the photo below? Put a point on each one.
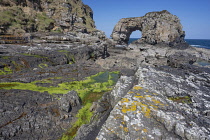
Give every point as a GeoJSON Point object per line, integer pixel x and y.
{"type": "Point", "coordinates": [156, 27]}
{"type": "Point", "coordinates": [18, 17]}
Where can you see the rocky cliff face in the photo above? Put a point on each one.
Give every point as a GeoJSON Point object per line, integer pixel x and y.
{"type": "Point", "coordinates": [156, 27]}
{"type": "Point", "coordinates": [19, 17]}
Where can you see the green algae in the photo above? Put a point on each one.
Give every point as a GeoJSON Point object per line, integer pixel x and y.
{"type": "Point", "coordinates": [84, 116]}
{"type": "Point", "coordinates": [6, 71]}
{"type": "Point", "coordinates": [104, 81]}
{"type": "Point", "coordinates": [5, 57]}
{"type": "Point", "coordinates": [33, 55]}
{"type": "Point", "coordinates": [96, 83]}
{"type": "Point", "coordinates": [43, 65]}
{"type": "Point", "coordinates": [89, 90]}
{"type": "Point", "coordinates": [181, 99]}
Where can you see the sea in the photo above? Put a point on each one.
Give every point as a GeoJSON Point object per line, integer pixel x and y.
{"type": "Point", "coordinates": [200, 43]}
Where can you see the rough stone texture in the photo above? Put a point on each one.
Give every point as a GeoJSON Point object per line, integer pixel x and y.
{"type": "Point", "coordinates": [180, 59]}
{"type": "Point", "coordinates": [103, 107]}
{"type": "Point", "coordinates": [69, 100]}
{"type": "Point", "coordinates": [32, 115]}
{"type": "Point", "coordinates": [146, 112]}
{"type": "Point", "coordinates": [156, 27]}
{"type": "Point", "coordinates": [45, 15]}
{"type": "Point", "coordinates": [136, 55]}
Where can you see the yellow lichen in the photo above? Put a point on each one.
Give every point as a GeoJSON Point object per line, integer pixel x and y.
{"type": "Point", "coordinates": [156, 101]}
{"type": "Point", "coordinates": [130, 92]}
{"type": "Point", "coordinates": [145, 130]}
{"type": "Point", "coordinates": [145, 110]}
{"type": "Point", "coordinates": [125, 100]}
{"type": "Point", "coordinates": [137, 88]}
{"type": "Point", "coordinates": [125, 129]}
{"type": "Point", "coordinates": [139, 96]}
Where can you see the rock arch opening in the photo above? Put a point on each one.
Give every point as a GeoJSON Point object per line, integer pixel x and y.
{"type": "Point", "coordinates": [135, 35]}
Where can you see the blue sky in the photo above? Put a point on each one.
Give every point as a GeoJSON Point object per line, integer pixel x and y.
{"type": "Point", "coordinates": [194, 14]}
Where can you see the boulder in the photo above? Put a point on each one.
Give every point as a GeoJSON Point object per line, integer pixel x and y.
{"type": "Point", "coordinates": [69, 100]}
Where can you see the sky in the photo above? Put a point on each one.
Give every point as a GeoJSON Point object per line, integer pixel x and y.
{"type": "Point", "coordinates": [193, 14]}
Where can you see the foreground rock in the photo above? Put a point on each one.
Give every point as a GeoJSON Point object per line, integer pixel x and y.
{"type": "Point", "coordinates": [166, 104]}
{"type": "Point", "coordinates": [156, 27]}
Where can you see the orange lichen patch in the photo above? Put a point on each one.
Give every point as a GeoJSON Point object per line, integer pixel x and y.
{"type": "Point", "coordinates": [136, 129]}
{"type": "Point", "coordinates": [156, 101]}
{"type": "Point", "coordinates": [125, 129]}
{"type": "Point", "coordinates": [125, 108]}
{"type": "Point", "coordinates": [147, 95]}
{"type": "Point", "coordinates": [124, 100]}
{"type": "Point", "coordinates": [130, 92]}
{"type": "Point", "coordinates": [112, 131]}
{"type": "Point", "coordinates": [146, 110]}
{"type": "Point", "coordinates": [137, 88]}
{"type": "Point", "coordinates": [119, 117]}
{"type": "Point", "coordinates": [146, 90]}
{"type": "Point", "coordinates": [139, 96]}
{"type": "Point", "coordinates": [154, 107]}
{"type": "Point", "coordinates": [145, 130]}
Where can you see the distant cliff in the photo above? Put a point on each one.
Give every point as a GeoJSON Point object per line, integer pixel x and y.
{"type": "Point", "coordinates": [22, 16]}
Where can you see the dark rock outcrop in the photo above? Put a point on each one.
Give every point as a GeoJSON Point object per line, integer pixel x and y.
{"type": "Point", "coordinates": [156, 27]}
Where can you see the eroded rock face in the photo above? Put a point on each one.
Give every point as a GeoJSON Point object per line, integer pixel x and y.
{"type": "Point", "coordinates": [44, 16]}
{"type": "Point", "coordinates": [156, 27]}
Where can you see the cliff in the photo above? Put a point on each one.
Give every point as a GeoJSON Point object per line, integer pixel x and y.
{"type": "Point", "coordinates": [27, 16]}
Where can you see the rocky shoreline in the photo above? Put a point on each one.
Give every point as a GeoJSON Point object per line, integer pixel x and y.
{"type": "Point", "coordinates": [169, 77]}
{"type": "Point", "coordinates": [78, 84]}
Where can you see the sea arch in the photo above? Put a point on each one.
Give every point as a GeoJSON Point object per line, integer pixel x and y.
{"type": "Point", "coordinates": [156, 27]}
